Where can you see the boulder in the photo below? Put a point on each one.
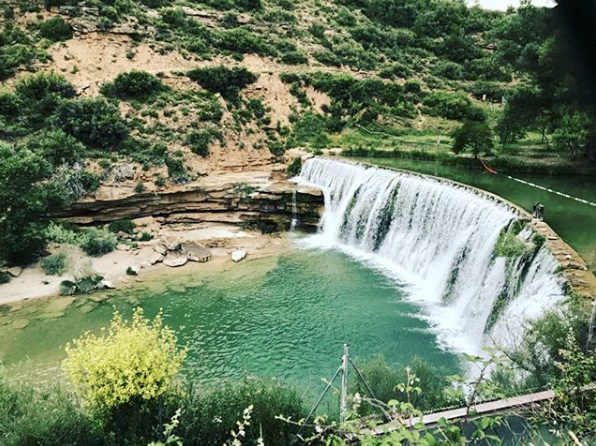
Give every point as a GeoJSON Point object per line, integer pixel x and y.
{"type": "Point", "coordinates": [147, 257]}
{"type": "Point", "coordinates": [175, 259]}
{"type": "Point", "coordinates": [171, 243]}
{"type": "Point", "coordinates": [238, 255]}
{"type": "Point", "coordinates": [122, 247]}
{"type": "Point", "coordinates": [196, 252]}
{"type": "Point", "coordinates": [160, 248]}
{"type": "Point", "coordinates": [15, 271]}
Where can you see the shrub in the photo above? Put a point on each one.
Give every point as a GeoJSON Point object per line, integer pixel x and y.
{"type": "Point", "coordinates": [125, 225]}
{"type": "Point", "coordinates": [145, 236]}
{"type": "Point", "coordinates": [55, 265]}
{"type": "Point", "coordinates": [327, 57]}
{"type": "Point", "coordinates": [97, 242]}
{"type": "Point", "coordinates": [226, 81]}
{"type": "Point", "coordinates": [58, 148]}
{"type": "Point", "coordinates": [49, 416]}
{"type": "Point", "coordinates": [134, 85]}
{"type": "Point", "coordinates": [139, 188]}
{"type": "Point", "coordinates": [94, 122]}
{"type": "Point", "coordinates": [209, 415]}
{"type": "Point", "coordinates": [240, 40]}
{"type": "Point", "coordinates": [449, 70]}
{"type": "Point", "coordinates": [447, 105]}
{"type": "Point", "coordinates": [176, 170]}
{"type": "Point", "coordinates": [83, 285]}
{"type": "Point", "coordinates": [199, 140]}
{"type": "Point", "coordinates": [383, 380]}
{"type": "Point", "coordinates": [131, 271]}
{"type": "Point", "coordinates": [294, 167]}
{"type": "Point", "coordinates": [294, 58]}
{"type": "Point", "coordinates": [41, 93]}
{"type": "Point", "coordinates": [55, 29]}
{"type": "Point", "coordinates": [4, 277]}
{"type": "Point", "coordinates": [130, 364]}
{"type": "Point", "coordinates": [511, 246]}
{"type": "Point", "coordinates": [58, 233]}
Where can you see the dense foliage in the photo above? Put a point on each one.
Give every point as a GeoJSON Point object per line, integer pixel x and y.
{"type": "Point", "coordinates": [226, 81]}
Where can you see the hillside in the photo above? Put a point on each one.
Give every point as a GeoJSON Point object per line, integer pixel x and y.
{"type": "Point", "coordinates": [103, 98]}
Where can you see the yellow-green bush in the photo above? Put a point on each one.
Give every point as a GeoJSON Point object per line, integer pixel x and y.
{"type": "Point", "coordinates": [129, 362]}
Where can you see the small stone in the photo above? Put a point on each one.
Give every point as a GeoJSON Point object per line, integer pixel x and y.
{"type": "Point", "coordinates": [15, 271]}
{"type": "Point", "coordinates": [552, 237]}
{"type": "Point", "coordinates": [122, 247]}
{"type": "Point", "coordinates": [20, 323]}
{"type": "Point", "coordinates": [107, 284]}
{"type": "Point", "coordinates": [238, 255]}
{"type": "Point", "coordinates": [175, 259]}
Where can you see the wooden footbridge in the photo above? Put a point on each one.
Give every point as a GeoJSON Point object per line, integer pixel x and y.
{"type": "Point", "coordinates": [476, 411]}
{"type": "Point", "coordinates": [428, 421]}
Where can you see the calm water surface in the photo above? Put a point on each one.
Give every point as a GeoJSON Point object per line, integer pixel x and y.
{"type": "Point", "coordinates": [285, 317]}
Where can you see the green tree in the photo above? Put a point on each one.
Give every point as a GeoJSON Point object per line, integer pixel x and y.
{"type": "Point", "coordinates": [27, 193]}
{"type": "Point", "coordinates": [474, 136]}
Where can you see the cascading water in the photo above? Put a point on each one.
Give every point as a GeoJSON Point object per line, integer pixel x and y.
{"type": "Point", "coordinates": [439, 239]}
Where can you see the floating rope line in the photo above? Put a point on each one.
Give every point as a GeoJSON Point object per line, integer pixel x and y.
{"type": "Point", "coordinates": [537, 186]}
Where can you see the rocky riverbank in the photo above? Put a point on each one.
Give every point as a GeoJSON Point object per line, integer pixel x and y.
{"type": "Point", "coordinates": [215, 221]}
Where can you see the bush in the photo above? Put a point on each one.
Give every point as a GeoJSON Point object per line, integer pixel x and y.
{"type": "Point", "coordinates": [199, 140]}
{"type": "Point", "coordinates": [241, 41]}
{"type": "Point", "coordinates": [383, 380]}
{"type": "Point", "coordinates": [294, 58]}
{"type": "Point", "coordinates": [511, 247]}
{"type": "Point", "coordinates": [129, 365]}
{"type": "Point", "coordinates": [226, 81]}
{"type": "Point", "coordinates": [41, 94]}
{"type": "Point", "coordinates": [58, 148]}
{"type": "Point", "coordinates": [125, 225]}
{"type": "Point", "coordinates": [447, 105]}
{"type": "Point", "coordinates": [176, 170]}
{"type": "Point", "coordinates": [327, 58]}
{"type": "Point", "coordinates": [131, 272]}
{"type": "Point", "coordinates": [55, 265]}
{"type": "Point", "coordinates": [209, 415]}
{"type": "Point", "coordinates": [97, 242]}
{"type": "Point", "coordinates": [48, 416]}
{"type": "Point", "coordinates": [55, 29]}
{"type": "Point", "coordinates": [4, 277]}
{"type": "Point", "coordinates": [449, 70]}
{"type": "Point", "coordinates": [94, 122]}
{"type": "Point", "coordinates": [134, 85]}
{"type": "Point", "coordinates": [294, 167]}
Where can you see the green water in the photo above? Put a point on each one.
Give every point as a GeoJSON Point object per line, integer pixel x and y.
{"type": "Point", "coordinates": [575, 222]}
{"type": "Point", "coordinates": [285, 317]}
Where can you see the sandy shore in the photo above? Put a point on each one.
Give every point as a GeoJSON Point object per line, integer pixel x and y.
{"type": "Point", "coordinates": [220, 240]}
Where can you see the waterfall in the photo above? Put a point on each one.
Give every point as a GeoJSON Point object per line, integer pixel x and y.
{"type": "Point", "coordinates": [439, 240]}
{"type": "Point", "coordinates": [294, 220]}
